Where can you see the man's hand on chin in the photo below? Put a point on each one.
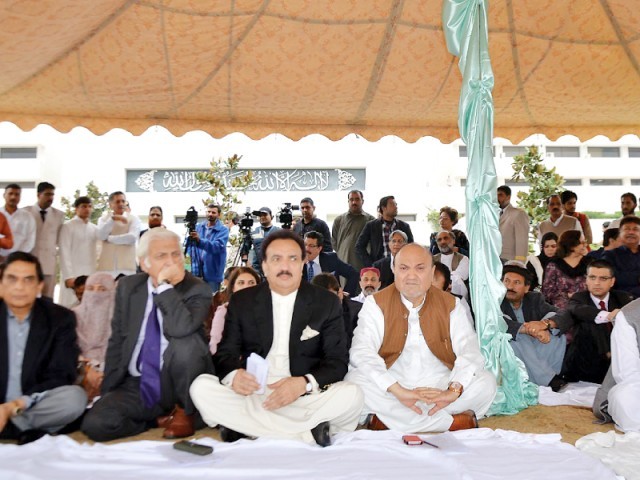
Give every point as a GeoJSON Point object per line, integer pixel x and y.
{"type": "Point", "coordinates": [173, 273]}
{"type": "Point", "coordinates": [285, 391]}
{"type": "Point", "coordinates": [244, 383]}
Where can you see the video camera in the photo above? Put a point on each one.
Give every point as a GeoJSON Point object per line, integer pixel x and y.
{"type": "Point", "coordinates": [246, 222]}
{"type": "Point", "coordinates": [191, 219]}
{"type": "Point", "coordinates": [285, 215]}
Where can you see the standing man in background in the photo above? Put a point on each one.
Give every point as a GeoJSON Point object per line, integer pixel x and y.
{"type": "Point", "coordinates": [48, 223]}
{"type": "Point", "coordinates": [23, 225]}
{"type": "Point", "coordinates": [514, 228]}
{"type": "Point", "coordinates": [119, 232]}
{"type": "Point", "coordinates": [210, 239]}
{"type": "Point", "coordinates": [347, 228]}
{"type": "Point", "coordinates": [78, 253]}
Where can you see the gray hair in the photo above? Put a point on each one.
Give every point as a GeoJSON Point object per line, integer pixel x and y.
{"type": "Point", "coordinates": [451, 235]}
{"type": "Point", "coordinates": [401, 233]}
{"type": "Point", "coordinates": [152, 234]}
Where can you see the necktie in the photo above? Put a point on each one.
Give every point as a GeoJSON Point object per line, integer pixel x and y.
{"type": "Point", "coordinates": [149, 360]}
{"type": "Point", "coordinates": [603, 307]}
{"type": "Point", "coordinates": [43, 215]}
{"type": "Point", "coordinates": [310, 273]}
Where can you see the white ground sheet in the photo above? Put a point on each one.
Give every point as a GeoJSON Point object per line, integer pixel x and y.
{"type": "Point", "coordinates": [620, 451]}
{"type": "Point", "coordinates": [579, 394]}
{"type": "Point", "coordinates": [481, 454]}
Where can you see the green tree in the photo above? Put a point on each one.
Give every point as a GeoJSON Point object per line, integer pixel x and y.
{"type": "Point", "coordinates": [529, 168]}
{"type": "Point", "coordinates": [99, 200]}
{"type": "Point", "coordinates": [226, 183]}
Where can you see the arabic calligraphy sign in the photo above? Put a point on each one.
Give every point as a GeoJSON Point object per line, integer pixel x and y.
{"type": "Point", "coordinates": [264, 180]}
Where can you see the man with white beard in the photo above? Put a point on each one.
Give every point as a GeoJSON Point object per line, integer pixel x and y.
{"type": "Point", "coordinates": [458, 264]}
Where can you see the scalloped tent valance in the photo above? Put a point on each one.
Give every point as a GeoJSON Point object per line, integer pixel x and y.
{"type": "Point", "coordinates": [297, 67]}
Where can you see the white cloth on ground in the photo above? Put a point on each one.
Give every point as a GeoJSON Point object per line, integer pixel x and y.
{"type": "Point", "coordinates": [579, 394]}
{"type": "Point", "coordinates": [362, 454]}
{"type": "Point", "coordinates": [618, 451]}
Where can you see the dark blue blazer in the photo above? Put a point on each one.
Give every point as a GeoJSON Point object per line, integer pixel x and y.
{"type": "Point", "coordinates": [330, 263]}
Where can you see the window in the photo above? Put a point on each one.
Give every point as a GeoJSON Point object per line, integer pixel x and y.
{"type": "Point", "coordinates": [462, 151]}
{"type": "Point", "coordinates": [19, 152]}
{"type": "Point", "coordinates": [573, 182]}
{"type": "Point", "coordinates": [634, 152]}
{"type": "Point", "coordinates": [604, 152]}
{"type": "Point", "coordinates": [463, 182]}
{"type": "Point", "coordinates": [513, 151]}
{"type": "Point", "coordinates": [511, 183]}
{"type": "Point", "coordinates": [604, 182]}
{"type": "Point", "coordinates": [564, 152]}
{"type": "Point", "coordinates": [22, 184]}
{"type": "Point", "coordinates": [635, 181]}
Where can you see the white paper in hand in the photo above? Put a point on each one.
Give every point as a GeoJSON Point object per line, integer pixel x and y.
{"type": "Point", "coordinates": [259, 368]}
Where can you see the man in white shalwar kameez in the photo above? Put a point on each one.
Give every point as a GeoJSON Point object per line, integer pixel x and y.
{"type": "Point", "coordinates": [119, 231]}
{"type": "Point", "coordinates": [77, 244]}
{"type": "Point", "coordinates": [617, 399]}
{"type": "Point", "coordinates": [299, 330]}
{"type": "Point", "coordinates": [416, 356]}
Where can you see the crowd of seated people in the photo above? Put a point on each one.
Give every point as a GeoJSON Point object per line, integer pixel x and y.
{"type": "Point", "coordinates": [286, 352]}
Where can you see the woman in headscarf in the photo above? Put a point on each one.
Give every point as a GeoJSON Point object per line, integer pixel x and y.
{"type": "Point", "coordinates": [537, 263]}
{"type": "Point", "coordinates": [94, 327]}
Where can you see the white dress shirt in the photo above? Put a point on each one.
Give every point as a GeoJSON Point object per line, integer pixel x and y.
{"type": "Point", "coordinates": [23, 228]}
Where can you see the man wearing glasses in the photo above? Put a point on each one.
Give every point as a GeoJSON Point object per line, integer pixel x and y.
{"type": "Point", "coordinates": [319, 261]}
{"type": "Point", "coordinates": [591, 314]}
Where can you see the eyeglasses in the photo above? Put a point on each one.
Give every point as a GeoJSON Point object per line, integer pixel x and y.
{"type": "Point", "coordinates": [593, 278]}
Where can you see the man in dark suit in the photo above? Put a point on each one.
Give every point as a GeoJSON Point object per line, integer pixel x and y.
{"type": "Point", "coordinates": [537, 341]}
{"type": "Point", "coordinates": [326, 262]}
{"type": "Point", "coordinates": [374, 241]}
{"type": "Point", "coordinates": [398, 240]}
{"type": "Point", "coordinates": [156, 348]}
{"type": "Point", "coordinates": [298, 331]}
{"type": "Point", "coordinates": [38, 356]}
{"type": "Point", "coordinates": [590, 314]}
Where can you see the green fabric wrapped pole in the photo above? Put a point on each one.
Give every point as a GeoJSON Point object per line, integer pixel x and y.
{"type": "Point", "coordinates": [466, 32]}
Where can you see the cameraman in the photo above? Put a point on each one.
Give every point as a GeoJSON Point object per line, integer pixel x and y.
{"type": "Point", "coordinates": [211, 240]}
{"type": "Point", "coordinates": [259, 234]}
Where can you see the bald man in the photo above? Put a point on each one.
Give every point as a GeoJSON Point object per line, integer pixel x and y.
{"type": "Point", "coordinates": [416, 356]}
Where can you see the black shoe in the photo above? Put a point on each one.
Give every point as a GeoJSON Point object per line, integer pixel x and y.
{"type": "Point", "coordinates": [227, 435]}
{"type": "Point", "coordinates": [557, 383]}
{"type": "Point", "coordinates": [321, 434]}
{"type": "Point", "coordinates": [29, 436]}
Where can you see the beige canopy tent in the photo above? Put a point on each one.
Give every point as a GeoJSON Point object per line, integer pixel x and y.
{"type": "Point", "coordinates": [374, 67]}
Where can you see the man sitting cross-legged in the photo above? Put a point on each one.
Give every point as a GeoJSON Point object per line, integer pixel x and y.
{"type": "Point", "coordinates": [299, 329]}
{"type": "Point", "coordinates": [156, 348]}
{"type": "Point", "coordinates": [416, 356]}
{"type": "Point", "coordinates": [617, 399]}
{"type": "Point", "coordinates": [530, 321]}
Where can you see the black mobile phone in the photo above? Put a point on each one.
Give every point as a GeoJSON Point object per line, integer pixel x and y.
{"type": "Point", "coordinates": [192, 447]}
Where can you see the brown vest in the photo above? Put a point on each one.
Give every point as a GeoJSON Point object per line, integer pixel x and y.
{"type": "Point", "coordinates": [434, 323]}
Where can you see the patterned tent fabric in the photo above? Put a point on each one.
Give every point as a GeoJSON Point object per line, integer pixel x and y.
{"type": "Point", "coordinates": [297, 67]}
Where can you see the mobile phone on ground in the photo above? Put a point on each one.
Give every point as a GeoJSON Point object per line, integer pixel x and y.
{"type": "Point", "coordinates": [192, 447]}
{"type": "Point", "coordinates": [412, 440]}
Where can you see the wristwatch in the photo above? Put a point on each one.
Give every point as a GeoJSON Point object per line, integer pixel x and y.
{"type": "Point", "coordinates": [547, 323]}
{"type": "Point", "coordinates": [309, 386]}
{"type": "Point", "coordinates": [456, 387]}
